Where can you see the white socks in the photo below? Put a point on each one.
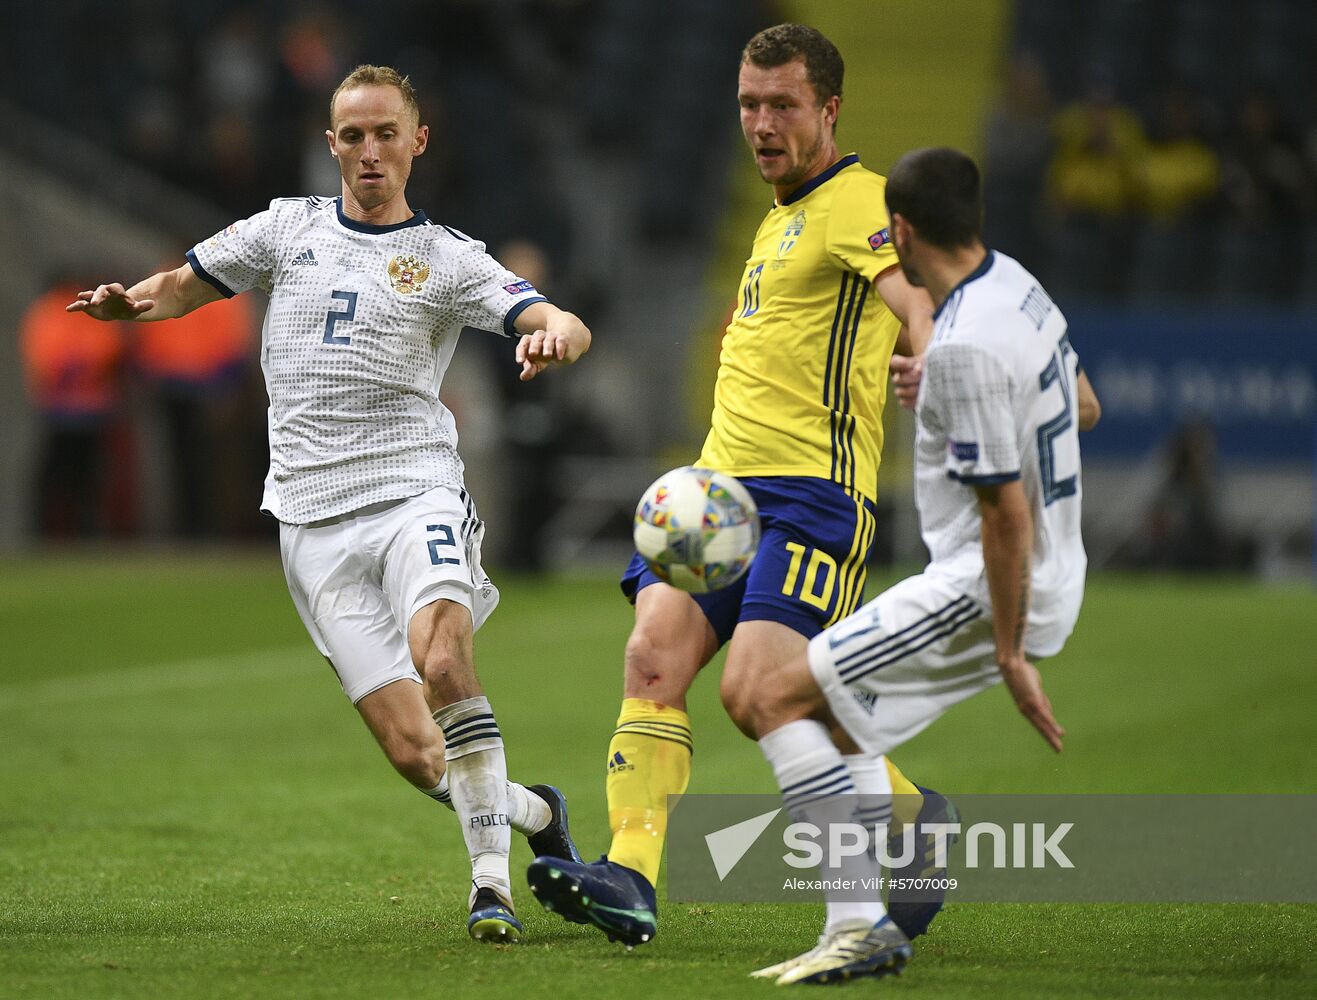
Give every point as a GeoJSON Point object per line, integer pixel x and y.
{"type": "Point", "coordinates": [527, 812]}
{"type": "Point", "coordinates": [817, 788]}
{"type": "Point", "coordinates": [478, 786]}
{"type": "Point", "coordinates": [874, 785]}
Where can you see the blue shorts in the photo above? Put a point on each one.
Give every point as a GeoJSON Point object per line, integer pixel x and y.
{"type": "Point", "coordinates": [810, 569]}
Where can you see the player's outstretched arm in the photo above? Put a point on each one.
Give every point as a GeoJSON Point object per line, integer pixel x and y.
{"type": "Point", "coordinates": [914, 308]}
{"type": "Point", "coordinates": [1008, 562]}
{"type": "Point", "coordinates": [166, 295]}
{"type": "Point", "coordinates": [549, 336]}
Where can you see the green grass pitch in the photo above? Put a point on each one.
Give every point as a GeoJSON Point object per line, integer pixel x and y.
{"type": "Point", "coordinates": [190, 808]}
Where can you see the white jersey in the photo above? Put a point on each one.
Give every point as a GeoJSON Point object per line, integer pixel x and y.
{"type": "Point", "coordinates": [362, 324]}
{"type": "Point", "coordinates": [998, 403]}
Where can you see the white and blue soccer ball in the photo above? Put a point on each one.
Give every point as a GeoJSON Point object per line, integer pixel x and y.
{"type": "Point", "coordinates": [697, 529]}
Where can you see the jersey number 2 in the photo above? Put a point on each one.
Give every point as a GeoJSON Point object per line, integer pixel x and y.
{"type": "Point", "coordinates": [1054, 488]}
{"type": "Point", "coordinates": [340, 314]}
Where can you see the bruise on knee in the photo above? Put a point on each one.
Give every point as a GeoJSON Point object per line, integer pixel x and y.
{"type": "Point", "coordinates": [644, 662]}
{"type": "Point", "coordinates": [644, 675]}
{"type": "Point", "coordinates": [659, 675]}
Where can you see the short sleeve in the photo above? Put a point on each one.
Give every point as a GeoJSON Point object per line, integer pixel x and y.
{"type": "Point", "coordinates": [967, 394]}
{"type": "Point", "coordinates": [489, 296]}
{"type": "Point", "coordinates": [239, 257]}
{"type": "Point", "coordinates": [859, 231]}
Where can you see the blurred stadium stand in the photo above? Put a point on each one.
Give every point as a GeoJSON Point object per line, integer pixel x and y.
{"type": "Point", "coordinates": [1158, 170]}
{"type": "Point", "coordinates": [1154, 161]}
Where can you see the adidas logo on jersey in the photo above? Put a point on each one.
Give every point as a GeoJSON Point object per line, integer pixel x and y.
{"type": "Point", "coordinates": [866, 700]}
{"type": "Point", "coordinates": [619, 763]}
{"type": "Point", "coordinates": [306, 257]}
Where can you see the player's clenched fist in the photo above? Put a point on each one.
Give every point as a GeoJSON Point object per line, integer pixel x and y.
{"type": "Point", "coordinates": [906, 376]}
{"type": "Point", "coordinates": [563, 339]}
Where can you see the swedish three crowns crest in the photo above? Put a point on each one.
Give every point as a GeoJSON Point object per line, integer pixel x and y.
{"type": "Point", "coordinates": [792, 233]}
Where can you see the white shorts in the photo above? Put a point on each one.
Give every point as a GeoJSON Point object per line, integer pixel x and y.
{"type": "Point", "coordinates": [900, 661]}
{"type": "Point", "coordinates": [356, 580]}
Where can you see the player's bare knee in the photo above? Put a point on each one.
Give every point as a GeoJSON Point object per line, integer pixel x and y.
{"type": "Point", "coordinates": [641, 657]}
{"type": "Point", "coordinates": [670, 642]}
{"type": "Point", "coordinates": [648, 670]}
{"type": "Point", "coordinates": [449, 675]}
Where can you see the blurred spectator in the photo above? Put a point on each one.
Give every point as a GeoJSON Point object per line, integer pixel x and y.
{"type": "Point", "coordinates": [1018, 149]}
{"type": "Point", "coordinates": [236, 72]}
{"type": "Point", "coordinates": [1095, 185]}
{"type": "Point", "coordinates": [1268, 192]}
{"type": "Point", "coordinates": [72, 368]}
{"type": "Point", "coordinates": [235, 103]}
{"type": "Point", "coordinates": [1182, 174]}
{"type": "Point", "coordinates": [1100, 156]}
{"type": "Point", "coordinates": [314, 53]}
{"type": "Point", "coordinates": [1174, 251]}
{"type": "Point", "coordinates": [1184, 525]}
{"type": "Point", "coordinates": [155, 127]}
{"type": "Point", "coordinates": [1265, 179]}
{"type": "Point", "coordinates": [318, 171]}
{"type": "Point", "coordinates": [196, 367]}
{"type": "Point", "coordinates": [491, 108]}
{"type": "Point", "coordinates": [683, 46]}
{"type": "Point", "coordinates": [531, 428]}
{"type": "Point", "coordinates": [232, 152]}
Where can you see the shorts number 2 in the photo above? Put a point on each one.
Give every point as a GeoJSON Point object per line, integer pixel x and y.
{"type": "Point", "coordinates": [445, 538]}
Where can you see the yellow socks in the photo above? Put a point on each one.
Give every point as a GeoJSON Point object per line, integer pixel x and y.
{"type": "Point", "coordinates": [906, 797]}
{"type": "Point", "coordinates": [649, 758]}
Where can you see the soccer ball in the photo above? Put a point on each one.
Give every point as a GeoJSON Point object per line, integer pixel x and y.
{"type": "Point", "coordinates": [697, 529]}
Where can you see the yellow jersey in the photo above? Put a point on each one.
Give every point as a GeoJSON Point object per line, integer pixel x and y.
{"type": "Point", "coordinates": [803, 373]}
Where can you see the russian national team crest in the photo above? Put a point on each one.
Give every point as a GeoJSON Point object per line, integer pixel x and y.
{"type": "Point", "coordinates": [791, 234]}
{"type": "Point", "coordinates": [408, 273]}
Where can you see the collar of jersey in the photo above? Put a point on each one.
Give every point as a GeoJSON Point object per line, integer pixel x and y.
{"type": "Point", "coordinates": [978, 272]}
{"type": "Point", "coordinates": [419, 219]}
{"type": "Point", "coordinates": [821, 179]}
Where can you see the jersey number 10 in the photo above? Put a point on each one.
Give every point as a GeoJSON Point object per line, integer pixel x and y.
{"type": "Point", "coordinates": [751, 292]}
{"type": "Point", "coordinates": [813, 591]}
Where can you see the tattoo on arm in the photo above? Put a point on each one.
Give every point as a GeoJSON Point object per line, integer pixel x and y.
{"type": "Point", "coordinates": [1023, 616]}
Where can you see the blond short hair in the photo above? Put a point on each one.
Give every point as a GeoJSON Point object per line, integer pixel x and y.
{"type": "Point", "coordinates": [367, 75]}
